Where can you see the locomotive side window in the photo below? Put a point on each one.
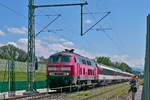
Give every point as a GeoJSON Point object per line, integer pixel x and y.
{"type": "Point", "coordinates": [54, 59]}
{"type": "Point", "coordinates": [89, 63]}
{"type": "Point", "coordinates": [93, 63]}
{"type": "Point", "coordinates": [83, 61]}
{"type": "Point", "coordinates": [78, 60]}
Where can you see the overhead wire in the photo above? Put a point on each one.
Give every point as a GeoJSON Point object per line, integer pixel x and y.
{"type": "Point", "coordinates": [96, 23]}
{"type": "Point", "coordinates": [25, 17]}
{"type": "Point", "coordinates": [109, 37]}
{"type": "Point", "coordinates": [120, 41]}
{"type": "Point", "coordinates": [47, 25]}
{"type": "Point", "coordinates": [12, 10]}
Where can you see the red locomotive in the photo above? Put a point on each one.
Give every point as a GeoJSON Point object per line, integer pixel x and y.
{"type": "Point", "coordinates": [68, 68]}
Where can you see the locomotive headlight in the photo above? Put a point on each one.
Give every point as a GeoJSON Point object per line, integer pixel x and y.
{"type": "Point", "coordinates": [51, 73]}
{"type": "Point", "coordinates": [67, 73]}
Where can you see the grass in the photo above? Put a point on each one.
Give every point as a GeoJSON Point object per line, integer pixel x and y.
{"type": "Point", "coordinates": [105, 92]}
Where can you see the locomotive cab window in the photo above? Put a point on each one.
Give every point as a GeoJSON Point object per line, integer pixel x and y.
{"type": "Point", "coordinates": [54, 59]}
{"type": "Point", "coordinates": [65, 59]}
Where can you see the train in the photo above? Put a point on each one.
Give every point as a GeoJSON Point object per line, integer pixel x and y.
{"type": "Point", "coordinates": [69, 68]}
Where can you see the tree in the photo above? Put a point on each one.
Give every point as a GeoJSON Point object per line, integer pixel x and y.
{"type": "Point", "coordinates": [12, 52]}
{"type": "Point", "coordinates": [120, 65]}
{"type": "Point", "coordinates": [104, 60]}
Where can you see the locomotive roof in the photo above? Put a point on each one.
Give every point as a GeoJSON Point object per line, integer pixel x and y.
{"type": "Point", "coordinates": [66, 53]}
{"type": "Point", "coordinates": [71, 54]}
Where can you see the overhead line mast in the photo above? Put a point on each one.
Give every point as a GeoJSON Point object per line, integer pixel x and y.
{"type": "Point", "coordinates": [31, 39]}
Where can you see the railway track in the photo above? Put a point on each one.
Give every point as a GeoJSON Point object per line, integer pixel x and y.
{"type": "Point", "coordinates": [39, 96]}
{"type": "Point", "coordinates": [61, 92]}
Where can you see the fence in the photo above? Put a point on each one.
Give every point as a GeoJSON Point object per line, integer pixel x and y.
{"type": "Point", "coordinates": [21, 75]}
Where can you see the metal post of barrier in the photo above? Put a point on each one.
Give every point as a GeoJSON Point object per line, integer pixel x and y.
{"type": "Point", "coordinates": [70, 88]}
{"type": "Point", "coordinates": [146, 91]}
{"type": "Point", "coordinates": [78, 88]}
{"type": "Point", "coordinates": [117, 98]}
{"type": "Point", "coordinates": [61, 89]}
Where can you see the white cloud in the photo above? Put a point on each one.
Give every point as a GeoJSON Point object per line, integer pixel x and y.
{"type": "Point", "coordinates": [13, 43]}
{"type": "Point", "coordinates": [54, 38]}
{"type": "Point", "coordinates": [41, 49]}
{"type": "Point", "coordinates": [58, 47]}
{"type": "Point", "coordinates": [68, 43]}
{"type": "Point", "coordinates": [17, 30]}
{"type": "Point", "coordinates": [88, 21]}
{"type": "Point", "coordinates": [133, 62]}
{"type": "Point", "coordinates": [85, 53]}
{"type": "Point", "coordinates": [45, 47]}
{"type": "Point", "coordinates": [22, 43]}
{"type": "Point", "coordinates": [1, 44]}
{"type": "Point", "coordinates": [1, 33]}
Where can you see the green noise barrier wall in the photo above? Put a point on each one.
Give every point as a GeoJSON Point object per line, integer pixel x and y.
{"type": "Point", "coordinates": [22, 85]}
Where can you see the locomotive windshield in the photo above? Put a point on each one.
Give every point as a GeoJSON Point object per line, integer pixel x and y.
{"type": "Point", "coordinates": [59, 58]}
{"type": "Point", "coordinates": [54, 59]}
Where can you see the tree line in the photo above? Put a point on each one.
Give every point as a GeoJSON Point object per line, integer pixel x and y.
{"type": "Point", "coordinates": [120, 65]}
{"type": "Point", "coordinates": [11, 52]}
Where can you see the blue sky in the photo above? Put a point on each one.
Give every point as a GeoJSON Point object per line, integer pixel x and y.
{"type": "Point", "coordinates": [125, 42]}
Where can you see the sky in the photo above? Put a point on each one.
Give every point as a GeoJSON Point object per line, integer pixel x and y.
{"type": "Point", "coordinates": [123, 40]}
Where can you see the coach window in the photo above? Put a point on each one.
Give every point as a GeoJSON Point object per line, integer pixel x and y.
{"type": "Point", "coordinates": [106, 72]}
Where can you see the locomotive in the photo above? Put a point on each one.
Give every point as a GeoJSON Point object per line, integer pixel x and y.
{"type": "Point", "coordinates": [69, 68]}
